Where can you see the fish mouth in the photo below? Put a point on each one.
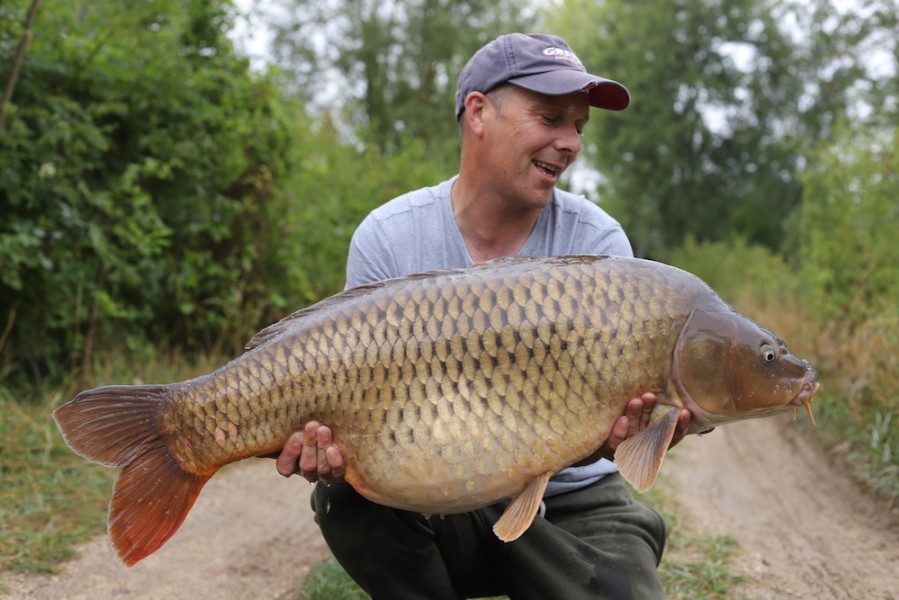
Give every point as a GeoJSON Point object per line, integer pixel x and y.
{"type": "Point", "coordinates": [806, 393]}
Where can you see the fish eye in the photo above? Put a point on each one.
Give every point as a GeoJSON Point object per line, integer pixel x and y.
{"type": "Point", "coordinates": [768, 353]}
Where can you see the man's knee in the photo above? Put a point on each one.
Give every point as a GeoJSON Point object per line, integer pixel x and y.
{"type": "Point", "coordinates": [335, 499]}
{"type": "Point", "coordinates": [655, 528]}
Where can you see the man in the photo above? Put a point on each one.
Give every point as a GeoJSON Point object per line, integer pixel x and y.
{"type": "Point", "coordinates": [522, 104]}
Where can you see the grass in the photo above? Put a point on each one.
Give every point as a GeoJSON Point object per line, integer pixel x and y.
{"type": "Point", "coordinates": [328, 581]}
{"type": "Point", "coordinates": [859, 367]}
{"type": "Point", "coordinates": [50, 498]}
{"type": "Point", "coordinates": [695, 566]}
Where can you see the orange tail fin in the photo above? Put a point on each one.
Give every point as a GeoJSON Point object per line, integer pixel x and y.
{"type": "Point", "coordinates": [119, 426]}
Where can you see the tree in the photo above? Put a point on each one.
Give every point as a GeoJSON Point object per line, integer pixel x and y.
{"type": "Point", "coordinates": [847, 227]}
{"type": "Point", "coordinates": [390, 67]}
{"type": "Point", "coordinates": [338, 186]}
{"type": "Point", "coordinates": [668, 171]}
{"type": "Point", "coordinates": [728, 97]}
{"type": "Point", "coordinates": [19, 57]}
{"type": "Point", "coordinates": [137, 183]}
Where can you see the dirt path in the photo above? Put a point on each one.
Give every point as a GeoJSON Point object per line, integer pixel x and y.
{"type": "Point", "coordinates": [806, 532]}
{"type": "Point", "coordinates": [249, 536]}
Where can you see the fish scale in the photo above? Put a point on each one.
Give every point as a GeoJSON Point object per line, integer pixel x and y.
{"type": "Point", "coordinates": [445, 391]}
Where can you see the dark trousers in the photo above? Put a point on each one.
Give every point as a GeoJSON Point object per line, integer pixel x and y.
{"type": "Point", "coordinates": [596, 543]}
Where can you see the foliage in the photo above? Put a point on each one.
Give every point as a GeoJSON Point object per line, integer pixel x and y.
{"type": "Point", "coordinates": [848, 61]}
{"type": "Point", "coordinates": [668, 172]}
{"type": "Point", "coordinates": [849, 262]}
{"type": "Point", "coordinates": [392, 66]}
{"type": "Point", "coordinates": [736, 267]}
{"type": "Point", "coordinates": [328, 581]}
{"type": "Point", "coordinates": [138, 176]}
{"type": "Point", "coordinates": [847, 227]}
{"type": "Point", "coordinates": [857, 361]}
{"type": "Point", "coordinates": [336, 189]}
{"type": "Point", "coordinates": [727, 98]}
{"type": "Point", "coordinates": [50, 498]}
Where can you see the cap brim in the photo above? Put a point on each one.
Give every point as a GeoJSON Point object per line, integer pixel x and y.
{"type": "Point", "coordinates": [604, 93]}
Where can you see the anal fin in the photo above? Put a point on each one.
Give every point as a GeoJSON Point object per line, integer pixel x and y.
{"type": "Point", "coordinates": [520, 513]}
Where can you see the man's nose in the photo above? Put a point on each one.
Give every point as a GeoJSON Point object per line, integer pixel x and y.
{"type": "Point", "coordinates": [569, 140]}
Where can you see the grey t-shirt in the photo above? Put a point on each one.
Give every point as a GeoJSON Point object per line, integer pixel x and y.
{"type": "Point", "coordinates": [417, 232]}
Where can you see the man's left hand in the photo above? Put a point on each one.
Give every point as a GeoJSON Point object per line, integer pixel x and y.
{"type": "Point", "coordinates": [635, 419]}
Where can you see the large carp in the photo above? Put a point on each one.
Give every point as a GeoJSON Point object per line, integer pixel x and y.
{"type": "Point", "coordinates": [447, 391]}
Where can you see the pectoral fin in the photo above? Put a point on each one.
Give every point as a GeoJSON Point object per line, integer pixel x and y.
{"type": "Point", "coordinates": [640, 456]}
{"type": "Point", "coordinates": [520, 513]}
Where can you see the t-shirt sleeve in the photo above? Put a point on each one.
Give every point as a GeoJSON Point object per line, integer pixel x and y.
{"type": "Point", "coordinates": [370, 257]}
{"type": "Point", "coordinates": [574, 225]}
{"type": "Point", "coordinates": [612, 242]}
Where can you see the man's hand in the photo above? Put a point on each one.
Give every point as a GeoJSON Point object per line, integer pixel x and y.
{"type": "Point", "coordinates": [312, 454]}
{"type": "Point", "coordinates": [634, 420]}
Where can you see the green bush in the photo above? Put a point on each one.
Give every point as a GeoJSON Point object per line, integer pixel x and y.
{"type": "Point", "coordinates": [338, 186]}
{"type": "Point", "coordinates": [847, 228]}
{"type": "Point", "coordinates": [158, 193]}
{"type": "Point", "coordinates": [138, 174]}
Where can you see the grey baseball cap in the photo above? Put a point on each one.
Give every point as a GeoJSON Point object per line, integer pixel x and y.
{"type": "Point", "coordinates": [540, 63]}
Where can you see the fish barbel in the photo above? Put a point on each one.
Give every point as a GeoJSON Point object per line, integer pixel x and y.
{"type": "Point", "coordinates": [447, 391]}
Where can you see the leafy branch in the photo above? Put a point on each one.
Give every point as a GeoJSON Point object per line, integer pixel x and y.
{"type": "Point", "coordinates": [19, 58]}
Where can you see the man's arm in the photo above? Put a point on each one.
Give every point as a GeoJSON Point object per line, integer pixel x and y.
{"type": "Point", "coordinates": [369, 257]}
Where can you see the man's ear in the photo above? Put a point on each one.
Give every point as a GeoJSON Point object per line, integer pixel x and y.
{"type": "Point", "coordinates": [476, 106]}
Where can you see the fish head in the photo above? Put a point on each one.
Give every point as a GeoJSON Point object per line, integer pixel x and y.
{"type": "Point", "coordinates": [727, 367]}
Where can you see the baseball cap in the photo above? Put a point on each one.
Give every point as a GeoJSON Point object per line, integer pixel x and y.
{"type": "Point", "coordinates": [538, 62]}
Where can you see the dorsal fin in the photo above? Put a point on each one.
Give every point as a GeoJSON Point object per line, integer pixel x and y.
{"type": "Point", "coordinates": [279, 327]}
{"type": "Point", "coordinates": [276, 329]}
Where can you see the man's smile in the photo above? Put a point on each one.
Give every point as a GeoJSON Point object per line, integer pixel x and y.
{"type": "Point", "coordinates": [550, 169]}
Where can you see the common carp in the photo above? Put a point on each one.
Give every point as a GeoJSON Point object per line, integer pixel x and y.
{"type": "Point", "coordinates": [448, 390]}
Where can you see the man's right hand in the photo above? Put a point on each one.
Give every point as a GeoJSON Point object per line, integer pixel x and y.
{"type": "Point", "coordinates": [312, 454]}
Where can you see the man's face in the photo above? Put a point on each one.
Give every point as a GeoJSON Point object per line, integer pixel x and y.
{"type": "Point", "coordinates": [531, 140]}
